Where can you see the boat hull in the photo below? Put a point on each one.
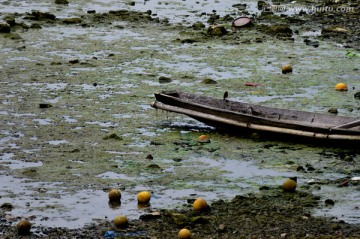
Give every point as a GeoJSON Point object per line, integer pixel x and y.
{"type": "Point", "coordinates": [235, 116]}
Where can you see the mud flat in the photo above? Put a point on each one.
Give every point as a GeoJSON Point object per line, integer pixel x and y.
{"type": "Point", "coordinates": [75, 121]}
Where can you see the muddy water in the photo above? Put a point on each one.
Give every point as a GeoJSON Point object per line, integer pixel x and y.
{"type": "Point", "coordinates": [56, 164]}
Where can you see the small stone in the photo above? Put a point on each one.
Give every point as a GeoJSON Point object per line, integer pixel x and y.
{"type": "Point", "coordinates": [300, 168]}
{"type": "Point", "coordinates": [164, 79]}
{"type": "Point", "coordinates": [4, 27]}
{"type": "Point", "coordinates": [357, 95]}
{"type": "Point", "coordinates": [216, 31]}
{"type": "Point", "coordinates": [281, 30]}
{"type": "Point", "coordinates": [310, 168]}
{"type": "Point", "coordinates": [149, 156]}
{"type": "Point", "coordinates": [72, 20]}
{"type": "Point", "coordinates": [44, 105]}
{"type": "Point", "coordinates": [153, 166]}
{"type": "Point", "coordinates": [262, 188]}
{"type": "Point", "coordinates": [35, 26]}
{"type": "Point", "coordinates": [305, 218]}
{"type": "Point", "coordinates": [62, 2]}
{"type": "Point", "coordinates": [10, 21]}
{"type": "Point", "coordinates": [7, 206]}
{"type": "Point", "coordinates": [37, 15]}
{"type": "Point", "coordinates": [222, 227]}
{"type": "Point", "coordinates": [333, 110]}
{"type": "Point", "coordinates": [198, 26]}
{"type": "Point", "coordinates": [75, 61]}
{"type": "Point", "coordinates": [187, 40]}
{"type": "Point", "coordinates": [335, 226]}
{"type": "Point", "coordinates": [112, 136]}
{"type": "Point", "coordinates": [329, 202]}
{"type": "Point", "coordinates": [150, 216]}
{"type": "Point", "coordinates": [283, 235]}
{"type": "Point", "coordinates": [209, 81]}
{"type": "Point", "coordinates": [348, 158]}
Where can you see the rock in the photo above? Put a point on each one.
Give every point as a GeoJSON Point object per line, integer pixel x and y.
{"type": "Point", "coordinates": [216, 30]}
{"type": "Point", "coordinates": [334, 30]}
{"type": "Point", "coordinates": [357, 95]}
{"type": "Point", "coordinates": [4, 27]}
{"type": "Point", "coordinates": [164, 79]}
{"type": "Point", "coordinates": [75, 61]}
{"type": "Point", "coordinates": [312, 43]}
{"type": "Point", "coordinates": [240, 6]}
{"type": "Point", "coordinates": [7, 206]}
{"type": "Point", "coordinates": [35, 26]}
{"type": "Point", "coordinates": [187, 40]}
{"type": "Point", "coordinates": [72, 20]}
{"type": "Point", "coordinates": [261, 5]}
{"type": "Point", "coordinates": [333, 111]}
{"type": "Point", "coordinates": [112, 136]}
{"type": "Point", "coordinates": [23, 25]}
{"type": "Point", "coordinates": [153, 166]}
{"type": "Point", "coordinates": [12, 36]}
{"type": "Point", "coordinates": [198, 26]}
{"type": "Point", "coordinates": [300, 168]}
{"type": "Point", "coordinates": [179, 219]}
{"type": "Point", "coordinates": [62, 2]}
{"type": "Point", "coordinates": [44, 105]}
{"type": "Point", "coordinates": [10, 21]}
{"type": "Point", "coordinates": [150, 216]}
{"type": "Point", "coordinates": [213, 18]}
{"type": "Point", "coordinates": [200, 220]}
{"type": "Point", "coordinates": [37, 15]}
{"type": "Point", "coordinates": [281, 30]}
{"type": "Point", "coordinates": [329, 202]}
{"type": "Point", "coordinates": [209, 81]}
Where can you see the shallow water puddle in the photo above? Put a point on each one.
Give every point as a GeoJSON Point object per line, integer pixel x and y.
{"type": "Point", "coordinates": [347, 209]}
{"type": "Point", "coordinates": [52, 204]}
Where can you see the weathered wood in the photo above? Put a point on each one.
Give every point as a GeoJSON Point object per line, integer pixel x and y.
{"type": "Point", "coordinates": [232, 115]}
{"type": "Point", "coordinates": [349, 125]}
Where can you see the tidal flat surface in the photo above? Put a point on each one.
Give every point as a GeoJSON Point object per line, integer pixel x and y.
{"type": "Point", "coordinates": [98, 77]}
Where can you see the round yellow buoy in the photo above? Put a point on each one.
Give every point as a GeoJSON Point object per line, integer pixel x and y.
{"type": "Point", "coordinates": [184, 233]}
{"type": "Point", "coordinates": [289, 185]}
{"type": "Point", "coordinates": [200, 205]}
{"type": "Point", "coordinates": [121, 221]}
{"type": "Point", "coordinates": [204, 139]}
{"type": "Point", "coordinates": [114, 195]}
{"type": "Point", "coordinates": [143, 197]}
{"type": "Point", "coordinates": [23, 227]}
{"type": "Point", "coordinates": [341, 87]}
{"type": "Point", "coordinates": [286, 69]}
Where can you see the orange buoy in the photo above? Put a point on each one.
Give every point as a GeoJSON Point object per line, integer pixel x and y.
{"type": "Point", "coordinates": [341, 87]}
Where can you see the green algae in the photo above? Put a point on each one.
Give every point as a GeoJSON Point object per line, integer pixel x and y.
{"type": "Point", "coordinates": [126, 69]}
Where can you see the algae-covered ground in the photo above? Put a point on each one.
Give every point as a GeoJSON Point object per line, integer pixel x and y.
{"type": "Point", "coordinates": [76, 121]}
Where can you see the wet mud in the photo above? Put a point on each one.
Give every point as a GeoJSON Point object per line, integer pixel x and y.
{"type": "Point", "coordinates": [76, 121]}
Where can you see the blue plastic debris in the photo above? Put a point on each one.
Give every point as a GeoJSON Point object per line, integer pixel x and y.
{"type": "Point", "coordinates": [113, 234]}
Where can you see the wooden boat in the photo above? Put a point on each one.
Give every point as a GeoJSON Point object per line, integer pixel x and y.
{"type": "Point", "coordinates": [235, 116]}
